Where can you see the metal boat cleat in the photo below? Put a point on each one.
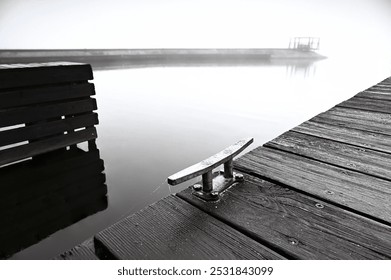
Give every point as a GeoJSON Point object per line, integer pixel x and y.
{"type": "Point", "coordinates": [213, 183]}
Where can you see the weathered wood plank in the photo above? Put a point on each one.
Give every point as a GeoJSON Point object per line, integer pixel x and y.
{"type": "Point", "coordinates": [367, 105]}
{"type": "Point", "coordinates": [365, 194]}
{"type": "Point", "coordinates": [36, 113]}
{"type": "Point", "coordinates": [387, 80]}
{"type": "Point", "coordinates": [366, 140]}
{"type": "Point", "coordinates": [384, 86]}
{"type": "Point", "coordinates": [39, 130]}
{"type": "Point", "coordinates": [46, 145]}
{"type": "Point", "coordinates": [350, 113]}
{"type": "Point", "coordinates": [36, 95]}
{"type": "Point", "coordinates": [174, 229]}
{"type": "Point", "coordinates": [21, 75]}
{"type": "Point", "coordinates": [374, 95]}
{"type": "Point", "coordinates": [381, 89]}
{"type": "Point", "coordinates": [297, 225]}
{"type": "Point", "coordinates": [372, 122]}
{"type": "Point", "coordinates": [336, 153]}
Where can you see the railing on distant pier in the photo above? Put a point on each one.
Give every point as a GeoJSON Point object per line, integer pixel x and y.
{"type": "Point", "coordinates": [304, 43]}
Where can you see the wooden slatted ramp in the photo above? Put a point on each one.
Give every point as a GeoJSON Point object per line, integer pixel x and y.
{"type": "Point", "coordinates": [45, 107]}
{"type": "Point", "coordinates": [47, 182]}
{"type": "Point", "coordinates": [319, 191]}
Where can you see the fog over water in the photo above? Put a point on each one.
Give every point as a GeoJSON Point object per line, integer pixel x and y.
{"type": "Point", "coordinates": [355, 27]}
{"type": "Point", "coordinates": [155, 121]}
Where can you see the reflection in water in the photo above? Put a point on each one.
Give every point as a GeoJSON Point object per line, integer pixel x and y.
{"type": "Point", "coordinates": [48, 193]}
{"type": "Point", "coordinates": [198, 61]}
{"type": "Point", "coordinates": [302, 69]}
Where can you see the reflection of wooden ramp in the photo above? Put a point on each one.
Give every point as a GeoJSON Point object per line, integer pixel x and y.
{"type": "Point", "coordinates": [319, 191]}
{"type": "Point", "coordinates": [45, 195]}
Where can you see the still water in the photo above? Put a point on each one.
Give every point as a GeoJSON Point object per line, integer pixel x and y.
{"type": "Point", "coordinates": [155, 121]}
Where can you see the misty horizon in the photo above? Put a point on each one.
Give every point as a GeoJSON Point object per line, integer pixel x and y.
{"type": "Point", "coordinates": [120, 24]}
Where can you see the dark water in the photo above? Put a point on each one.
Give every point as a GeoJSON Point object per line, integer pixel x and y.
{"type": "Point", "coordinates": [155, 121]}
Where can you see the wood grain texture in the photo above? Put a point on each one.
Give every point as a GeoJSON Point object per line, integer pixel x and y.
{"type": "Point", "coordinates": [174, 229]}
{"type": "Point", "coordinates": [366, 140]}
{"type": "Point", "coordinates": [376, 95]}
{"type": "Point", "coordinates": [46, 145]}
{"type": "Point", "coordinates": [44, 94]}
{"type": "Point", "coordinates": [373, 105]}
{"type": "Point", "coordinates": [22, 75]}
{"type": "Point", "coordinates": [387, 80]}
{"type": "Point", "coordinates": [44, 129]}
{"type": "Point", "coordinates": [336, 153]}
{"type": "Point", "coordinates": [365, 194]}
{"type": "Point", "coordinates": [37, 113]}
{"type": "Point", "coordinates": [384, 85]}
{"type": "Point", "coordinates": [297, 225]}
{"type": "Point", "coordinates": [372, 122]}
{"type": "Point", "coordinates": [380, 88]}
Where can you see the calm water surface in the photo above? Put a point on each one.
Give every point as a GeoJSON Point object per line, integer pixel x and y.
{"type": "Point", "coordinates": [155, 121]}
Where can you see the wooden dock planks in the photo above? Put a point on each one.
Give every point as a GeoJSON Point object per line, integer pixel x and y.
{"type": "Point", "coordinates": [365, 194]}
{"type": "Point", "coordinates": [372, 122]}
{"type": "Point", "coordinates": [336, 153]}
{"type": "Point", "coordinates": [341, 156]}
{"type": "Point", "coordinates": [345, 134]}
{"type": "Point", "coordinates": [366, 104]}
{"type": "Point", "coordinates": [375, 94]}
{"type": "Point", "coordinates": [297, 225]}
{"type": "Point", "coordinates": [174, 229]}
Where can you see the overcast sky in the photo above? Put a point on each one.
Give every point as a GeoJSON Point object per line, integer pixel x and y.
{"type": "Point", "coordinates": [359, 25]}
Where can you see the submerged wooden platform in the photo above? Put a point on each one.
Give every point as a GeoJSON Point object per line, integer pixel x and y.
{"type": "Point", "coordinates": [319, 191]}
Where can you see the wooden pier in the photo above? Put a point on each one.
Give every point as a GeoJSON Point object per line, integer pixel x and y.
{"type": "Point", "coordinates": [319, 191]}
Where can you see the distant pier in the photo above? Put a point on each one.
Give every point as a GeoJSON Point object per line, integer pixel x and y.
{"type": "Point", "coordinates": [156, 57]}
